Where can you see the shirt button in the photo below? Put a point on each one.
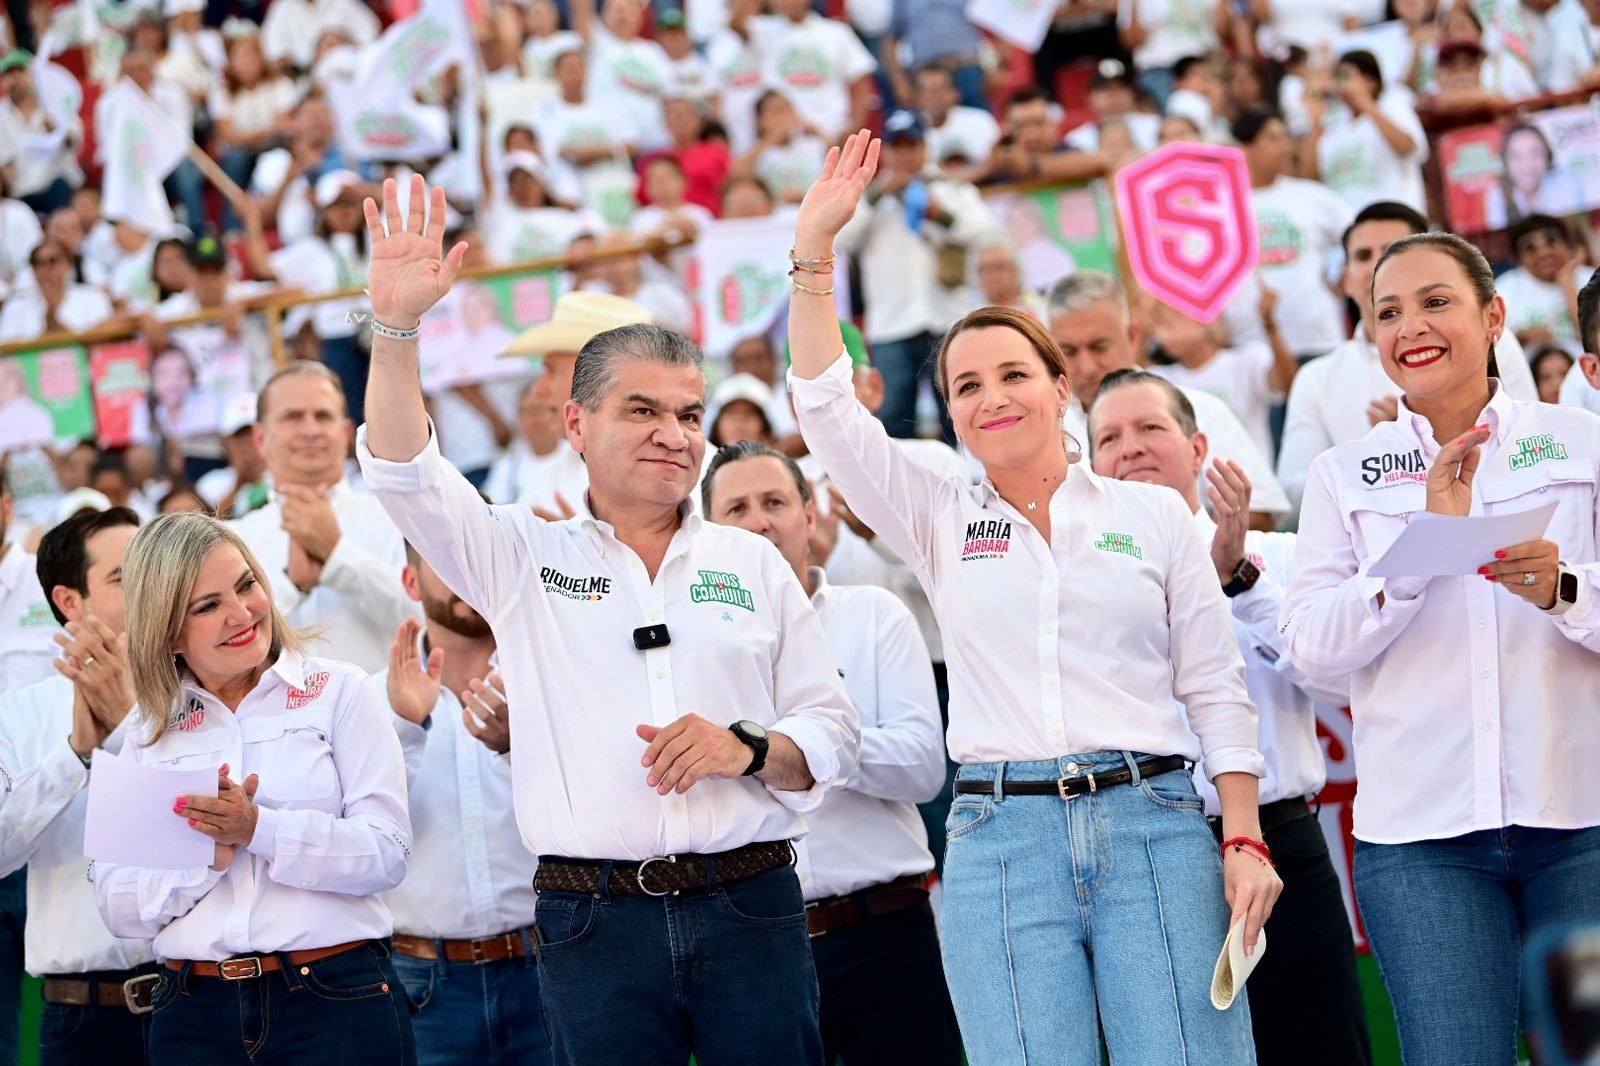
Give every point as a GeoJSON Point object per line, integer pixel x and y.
{"type": "Point", "coordinates": [1049, 631]}
{"type": "Point", "coordinates": [1050, 681]}
{"type": "Point", "coordinates": [633, 564]}
{"type": "Point", "coordinates": [676, 806]}
{"type": "Point", "coordinates": [1056, 732]}
{"type": "Point", "coordinates": [1484, 674]}
{"type": "Point", "coordinates": [654, 616]}
{"type": "Point", "coordinates": [1483, 623]}
{"type": "Point", "coordinates": [660, 674]}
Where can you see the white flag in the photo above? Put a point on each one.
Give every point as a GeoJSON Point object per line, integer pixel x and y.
{"type": "Point", "coordinates": [142, 146]}
{"type": "Point", "coordinates": [1022, 22]}
{"type": "Point", "coordinates": [744, 283]}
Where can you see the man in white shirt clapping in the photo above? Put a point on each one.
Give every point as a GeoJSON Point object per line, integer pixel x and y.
{"type": "Point", "coordinates": [865, 867]}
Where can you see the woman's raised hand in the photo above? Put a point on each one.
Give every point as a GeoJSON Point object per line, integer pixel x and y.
{"type": "Point", "coordinates": [831, 201]}
{"type": "Point", "coordinates": [409, 272]}
{"type": "Point", "coordinates": [1450, 478]}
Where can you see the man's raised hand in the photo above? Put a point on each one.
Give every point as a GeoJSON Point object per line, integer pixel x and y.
{"type": "Point", "coordinates": [409, 272]}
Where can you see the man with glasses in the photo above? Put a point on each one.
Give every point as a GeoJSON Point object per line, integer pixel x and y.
{"type": "Point", "coordinates": [1541, 292]}
{"type": "Point", "coordinates": [56, 303]}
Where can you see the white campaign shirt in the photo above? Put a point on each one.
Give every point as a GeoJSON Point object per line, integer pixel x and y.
{"type": "Point", "coordinates": [1282, 695]}
{"type": "Point", "coordinates": [815, 62]}
{"type": "Point", "coordinates": [1174, 29]}
{"type": "Point", "coordinates": [1356, 161]}
{"type": "Point", "coordinates": [1330, 395]}
{"type": "Point", "coordinates": [292, 27]}
{"type": "Point", "coordinates": [737, 74]}
{"type": "Point", "coordinates": [868, 830]}
{"type": "Point", "coordinates": [470, 876]}
{"type": "Point", "coordinates": [519, 476]}
{"type": "Point", "coordinates": [1229, 440]}
{"type": "Point", "coordinates": [27, 626]}
{"type": "Point", "coordinates": [564, 599]}
{"type": "Point", "coordinates": [1532, 304]}
{"type": "Point", "coordinates": [333, 830]}
{"type": "Point", "coordinates": [1577, 392]}
{"type": "Point", "coordinates": [1042, 666]}
{"type": "Point", "coordinates": [516, 234]}
{"type": "Point", "coordinates": [1300, 223]}
{"type": "Point", "coordinates": [967, 131]}
{"type": "Point", "coordinates": [41, 825]}
{"type": "Point", "coordinates": [1466, 699]}
{"type": "Point", "coordinates": [23, 315]}
{"type": "Point", "coordinates": [1237, 377]}
{"type": "Point", "coordinates": [358, 604]}
{"type": "Point", "coordinates": [633, 75]}
{"type": "Point", "coordinates": [20, 234]}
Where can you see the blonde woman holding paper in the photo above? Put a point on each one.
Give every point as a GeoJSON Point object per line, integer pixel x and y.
{"type": "Point", "coordinates": [1473, 695]}
{"type": "Point", "coordinates": [310, 821]}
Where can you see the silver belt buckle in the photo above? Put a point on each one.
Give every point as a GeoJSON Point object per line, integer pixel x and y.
{"type": "Point", "coordinates": [1061, 786]}
{"type": "Point", "coordinates": [239, 969]}
{"type": "Point", "coordinates": [638, 875]}
{"type": "Point", "coordinates": [138, 991]}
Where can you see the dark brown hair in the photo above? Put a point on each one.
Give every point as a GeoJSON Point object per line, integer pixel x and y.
{"type": "Point", "coordinates": [1032, 330]}
{"type": "Point", "coordinates": [1479, 274]}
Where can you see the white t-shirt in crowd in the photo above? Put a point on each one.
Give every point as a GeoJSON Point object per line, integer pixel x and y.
{"type": "Point", "coordinates": [595, 123]}
{"type": "Point", "coordinates": [1300, 224]}
{"type": "Point", "coordinates": [1307, 23]}
{"type": "Point", "coordinates": [1143, 129]}
{"type": "Point", "coordinates": [737, 73]}
{"type": "Point", "coordinates": [1237, 377]}
{"type": "Point", "coordinates": [23, 314]}
{"type": "Point", "coordinates": [633, 75]}
{"type": "Point", "coordinates": [815, 61]}
{"type": "Point", "coordinates": [297, 215]}
{"type": "Point", "coordinates": [256, 110]}
{"type": "Point", "coordinates": [539, 53]}
{"type": "Point", "coordinates": [1174, 29]}
{"type": "Point", "coordinates": [1358, 163]}
{"type": "Point", "coordinates": [788, 170]}
{"type": "Point", "coordinates": [1577, 392]}
{"type": "Point", "coordinates": [516, 234]}
{"type": "Point", "coordinates": [292, 27]}
{"type": "Point", "coordinates": [967, 131]}
{"type": "Point", "coordinates": [1532, 304]}
{"type": "Point", "coordinates": [20, 234]}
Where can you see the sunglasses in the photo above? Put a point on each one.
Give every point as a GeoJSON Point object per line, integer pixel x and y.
{"type": "Point", "coordinates": [1532, 242]}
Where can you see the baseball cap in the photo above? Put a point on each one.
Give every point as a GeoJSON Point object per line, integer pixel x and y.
{"type": "Point", "coordinates": [671, 20]}
{"type": "Point", "coordinates": [333, 184]}
{"type": "Point", "coordinates": [238, 412]}
{"type": "Point", "coordinates": [207, 251]}
{"type": "Point", "coordinates": [526, 162]}
{"type": "Point", "coordinates": [903, 124]}
{"type": "Point", "coordinates": [17, 57]}
{"type": "Point", "coordinates": [1111, 71]}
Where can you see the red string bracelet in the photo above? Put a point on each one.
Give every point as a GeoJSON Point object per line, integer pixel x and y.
{"type": "Point", "coordinates": [1256, 847]}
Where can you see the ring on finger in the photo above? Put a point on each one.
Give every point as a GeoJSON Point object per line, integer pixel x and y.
{"type": "Point", "coordinates": [1529, 578]}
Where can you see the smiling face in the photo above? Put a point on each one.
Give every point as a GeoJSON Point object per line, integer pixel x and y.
{"type": "Point", "coordinates": [227, 624]}
{"type": "Point", "coordinates": [1543, 253]}
{"type": "Point", "coordinates": [645, 441]}
{"type": "Point", "coordinates": [305, 434]}
{"type": "Point", "coordinates": [171, 378]}
{"type": "Point", "coordinates": [1433, 335]}
{"type": "Point", "coordinates": [1004, 401]}
{"type": "Point", "coordinates": [1527, 162]}
{"type": "Point", "coordinates": [1095, 341]}
{"type": "Point", "coordinates": [759, 494]}
{"type": "Point", "coordinates": [1136, 436]}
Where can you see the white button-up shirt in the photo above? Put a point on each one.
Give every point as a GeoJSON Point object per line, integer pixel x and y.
{"type": "Point", "coordinates": [1329, 399]}
{"type": "Point", "coordinates": [1076, 645]}
{"type": "Point", "coordinates": [333, 830]}
{"type": "Point", "coordinates": [868, 831]}
{"type": "Point", "coordinates": [41, 825]}
{"type": "Point", "coordinates": [1282, 694]}
{"type": "Point", "coordinates": [354, 610]}
{"type": "Point", "coordinates": [470, 875]}
{"type": "Point", "coordinates": [1469, 703]}
{"type": "Point", "coordinates": [27, 626]}
{"type": "Point", "coordinates": [564, 599]}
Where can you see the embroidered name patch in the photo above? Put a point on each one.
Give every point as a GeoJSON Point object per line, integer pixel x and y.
{"type": "Point", "coordinates": [1394, 468]}
{"type": "Point", "coordinates": [718, 587]}
{"type": "Point", "coordinates": [574, 588]}
{"type": "Point", "coordinates": [986, 539]}
{"type": "Point", "coordinates": [299, 697]}
{"type": "Point", "coordinates": [1532, 450]}
{"type": "Point", "coordinates": [1120, 543]}
{"type": "Point", "coordinates": [189, 717]}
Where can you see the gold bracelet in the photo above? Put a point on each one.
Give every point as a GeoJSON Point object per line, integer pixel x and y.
{"type": "Point", "coordinates": [810, 270]}
{"type": "Point", "coordinates": [827, 261]}
{"type": "Point", "coordinates": [815, 292]}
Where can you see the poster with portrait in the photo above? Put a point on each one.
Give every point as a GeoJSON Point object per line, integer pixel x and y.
{"type": "Point", "coordinates": [120, 375]}
{"type": "Point", "coordinates": [44, 396]}
{"type": "Point", "coordinates": [1058, 230]}
{"type": "Point", "coordinates": [464, 334]}
{"type": "Point", "coordinates": [1546, 162]}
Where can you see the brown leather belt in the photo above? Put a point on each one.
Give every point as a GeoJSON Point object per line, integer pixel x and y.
{"type": "Point", "coordinates": [840, 912]}
{"type": "Point", "coordinates": [664, 875]}
{"type": "Point", "coordinates": [244, 967]}
{"type": "Point", "coordinates": [512, 945]}
{"type": "Point", "coordinates": [132, 994]}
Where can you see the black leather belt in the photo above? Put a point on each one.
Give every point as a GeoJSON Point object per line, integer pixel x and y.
{"type": "Point", "coordinates": [664, 875]}
{"type": "Point", "coordinates": [1067, 787]}
{"type": "Point", "coordinates": [1274, 815]}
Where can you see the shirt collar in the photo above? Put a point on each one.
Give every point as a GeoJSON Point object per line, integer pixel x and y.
{"type": "Point", "coordinates": [1494, 415]}
{"type": "Point", "coordinates": [290, 668]}
{"type": "Point", "coordinates": [819, 580]}
{"type": "Point", "coordinates": [1080, 478]}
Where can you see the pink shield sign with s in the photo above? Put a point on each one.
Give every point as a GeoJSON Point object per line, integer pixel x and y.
{"type": "Point", "coordinates": [1189, 226]}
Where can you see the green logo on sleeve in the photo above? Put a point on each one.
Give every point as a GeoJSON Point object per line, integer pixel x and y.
{"type": "Point", "coordinates": [1532, 450]}
{"type": "Point", "coordinates": [37, 616]}
{"type": "Point", "coordinates": [718, 587]}
{"type": "Point", "coordinates": [1120, 543]}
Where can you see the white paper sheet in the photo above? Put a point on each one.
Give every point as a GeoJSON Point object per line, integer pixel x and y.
{"type": "Point", "coordinates": [1440, 546]}
{"type": "Point", "coordinates": [130, 818]}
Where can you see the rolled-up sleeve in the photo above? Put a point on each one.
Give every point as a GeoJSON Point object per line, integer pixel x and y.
{"type": "Point", "coordinates": [137, 903]}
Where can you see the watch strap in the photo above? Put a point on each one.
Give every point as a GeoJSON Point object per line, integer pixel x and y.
{"type": "Point", "coordinates": [1245, 576]}
{"type": "Point", "coordinates": [758, 749]}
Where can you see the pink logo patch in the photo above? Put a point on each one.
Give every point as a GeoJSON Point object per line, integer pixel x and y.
{"type": "Point", "coordinates": [187, 719]}
{"type": "Point", "coordinates": [298, 698]}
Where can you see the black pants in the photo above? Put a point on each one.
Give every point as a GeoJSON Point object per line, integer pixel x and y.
{"type": "Point", "coordinates": [1305, 997]}
{"type": "Point", "coordinates": [884, 998]}
{"type": "Point", "coordinates": [94, 1036]}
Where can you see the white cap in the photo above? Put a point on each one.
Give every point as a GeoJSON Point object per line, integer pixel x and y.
{"type": "Point", "coordinates": [84, 499]}
{"type": "Point", "coordinates": [745, 387]}
{"type": "Point", "coordinates": [237, 413]}
{"type": "Point", "coordinates": [182, 7]}
{"type": "Point", "coordinates": [331, 185]}
{"type": "Point", "coordinates": [524, 160]}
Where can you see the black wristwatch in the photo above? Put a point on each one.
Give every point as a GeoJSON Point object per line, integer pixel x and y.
{"type": "Point", "coordinates": [1244, 578]}
{"type": "Point", "coordinates": [755, 736]}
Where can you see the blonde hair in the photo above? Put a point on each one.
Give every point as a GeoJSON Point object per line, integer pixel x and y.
{"type": "Point", "coordinates": [159, 573]}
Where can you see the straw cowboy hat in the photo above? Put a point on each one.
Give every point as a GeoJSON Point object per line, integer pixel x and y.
{"type": "Point", "coordinates": [578, 317]}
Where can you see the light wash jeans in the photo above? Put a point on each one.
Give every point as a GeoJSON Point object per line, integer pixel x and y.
{"type": "Point", "coordinates": [488, 1014]}
{"type": "Point", "coordinates": [1065, 918]}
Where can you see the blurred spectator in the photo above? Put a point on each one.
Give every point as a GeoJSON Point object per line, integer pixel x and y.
{"type": "Point", "coordinates": [195, 55]}
{"type": "Point", "coordinates": [625, 69]}
{"type": "Point", "coordinates": [735, 57]}
{"type": "Point", "coordinates": [1031, 149]}
{"type": "Point", "coordinates": [626, 275]}
{"type": "Point", "coordinates": [540, 464]}
{"type": "Point", "coordinates": [112, 478]}
{"type": "Point", "coordinates": [1541, 292]}
{"type": "Point", "coordinates": [182, 498]}
{"type": "Point", "coordinates": [998, 272]}
{"type": "Point", "coordinates": [66, 226]}
{"type": "Point", "coordinates": [594, 135]}
{"type": "Point", "coordinates": [55, 303]}
{"type": "Point", "coordinates": [1300, 224]}
{"type": "Point", "coordinates": [284, 175]}
{"type": "Point", "coordinates": [249, 111]}
{"type": "Point", "coordinates": [960, 137]}
{"type": "Point", "coordinates": [20, 232]}
{"type": "Point", "coordinates": [292, 28]}
{"type": "Point", "coordinates": [934, 35]}
{"type": "Point", "coordinates": [1080, 30]}
{"type": "Point", "coordinates": [74, 464]}
{"type": "Point", "coordinates": [1161, 32]}
{"type": "Point", "coordinates": [746, 197]}
{"type": "Point", "coordinates": [1308, 24]}
{"type": "Point", "coordinates": [1551, 365]}
{"type": "Point", "coordinates": [1199, 94]}
{"type": "Point", "coordinates": [185, 183]}
{"type": "Point", "coordinates": [1575, 51]}
{"type": "Point", "coordinates": [238, 488]}
{"type": "Point", "coordinates": [171, 272]}
{"type": "Point", "coordinates": [910, 237]}
{"type": "Point", "coordinates": [1252, 85]}
{"type": "Point", "coordinates": [690, 74]}
{"type": "Point", "coordinates": [669, 212]}
{"type": "Point", "coordinates": [740, 408]}
{"type": "Point", "coordinates": [789, 154]}
{"type": "Point", "coordinates": [1369, 146]}
{"type": "Point", "coordinates": [527, 223]}
{"type": "Point", "coordinates": [820, 64]}
{"type": "Point", "coordinates": [701, 148]}
{"type": "Point", "coordinates": [44, 169]}
{"type": "Point", "coordinates": [545, 39]}
{"type": "Point", "coordinates": [1420, 23]}
{"type": "Point", "coordinates": [1178, 128]}
{"type": "Point", "coordinates": [1113, 97]}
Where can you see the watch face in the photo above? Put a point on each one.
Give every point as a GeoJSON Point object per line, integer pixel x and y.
{"type": "Point", "coordinates": [1567, 587]}
{"type": "Point", "coordinates": [754, 731]}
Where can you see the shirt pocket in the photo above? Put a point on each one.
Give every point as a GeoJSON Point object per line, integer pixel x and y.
{"type": "Point", "coordinates": [1380, 516]}
{"type": "Point", "coordinates": [1568, 483]}
{"type": "Point", "coordinates": [177, 750]}
{"type": "Point", "coordinates": [295, 761]}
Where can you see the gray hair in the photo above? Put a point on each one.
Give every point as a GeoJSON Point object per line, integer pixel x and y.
{"type": "Point", "coordinates": [296, 368]}
{"type": "Point", "coordinates": [750, 449]}
{"type": "Point", "coordinates": [159, 573]}
{"type": "Point", "coordinates": [1083, 289]}
{"type": "Point", "coordinates": [595, 374]}
{"type": "Point", "coordinates": [1181, 409]}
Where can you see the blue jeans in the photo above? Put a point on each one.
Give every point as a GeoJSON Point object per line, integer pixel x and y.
{"type": "Point", "coordinates": [905, 364]}
{"type": "Point", "coordinates": [187, 187]}
{"type": "Point", "coordinates": [1158, 82]}
{"type": "Point", "coordinates": [93, 1036]}
{"type": "Point", "coordinates": [13, 917]}
{"type": "Point", "coordinates": [724, 973]}
{"type": "Point", "coordinates": [349, 1009]}
{"type": "Point", "coordinates": [1447, 920]}
{"type": "Point", "coordinates": [1105, 911]}
{"type": "Point", "coordinates": [240, 165]}
{"type": "Point", "coordinates": [487, 1014]}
